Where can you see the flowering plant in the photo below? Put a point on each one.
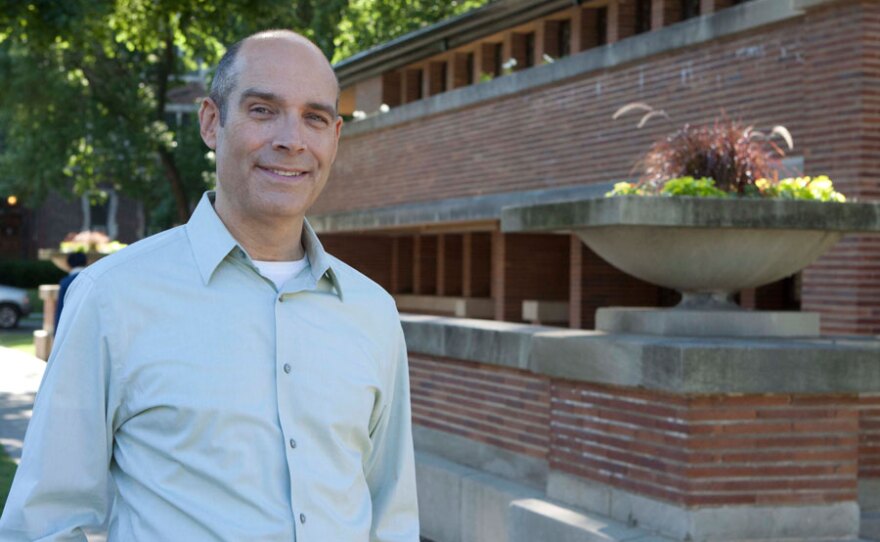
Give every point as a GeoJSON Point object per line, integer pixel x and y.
{"type": "Point", "coordinates": [719, 160]}
{"type": "Point", "coordinates": [89, 241]}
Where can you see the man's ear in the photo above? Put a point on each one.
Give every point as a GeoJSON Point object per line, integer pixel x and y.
{"type": "Point", "coordinates": [209, 121]}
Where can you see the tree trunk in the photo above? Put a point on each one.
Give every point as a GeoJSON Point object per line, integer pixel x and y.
{"type": "Point", "coordinates": [181, 200]}
{"type": "Point", "coordinates": [172, 173]}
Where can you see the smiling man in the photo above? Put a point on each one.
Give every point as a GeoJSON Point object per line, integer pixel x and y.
{"type": "Point", "coordinates": [230, 379]}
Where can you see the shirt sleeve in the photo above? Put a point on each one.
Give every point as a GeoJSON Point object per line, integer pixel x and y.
{"type": "Point", "coordinates": [62, 484]}
{"type": "Point", "coordinates": [390, 471]}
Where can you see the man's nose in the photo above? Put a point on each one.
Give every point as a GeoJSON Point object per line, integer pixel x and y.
{"type": "Point", "coordinates": [289, 135]}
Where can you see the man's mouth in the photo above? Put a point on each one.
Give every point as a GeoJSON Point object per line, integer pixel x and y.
{"type": "Point", "coordinates": [289, 173]}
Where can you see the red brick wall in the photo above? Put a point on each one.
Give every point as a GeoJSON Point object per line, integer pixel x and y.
{"type": "Point", "coordinates": [841, 92]}
{"type": "Point", "coordinates": [506, 408]}
{"type": "Point", "coordinates": [603, 285]}
{"type": "Point", "coordinates": [535, 266]}
{"type": "Point", "coordinates": [708, 450]}
{"type": "Point", "coordinates": [869, 436]}
{"type": "Point", "coordinates": [369, 254]}
{"type": "Point", "coordinates": [817, 75]}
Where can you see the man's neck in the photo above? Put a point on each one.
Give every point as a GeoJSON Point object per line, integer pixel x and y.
{"type": "Point", "coordinates": [270, 240]}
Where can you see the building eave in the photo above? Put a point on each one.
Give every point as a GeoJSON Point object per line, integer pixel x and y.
{"type": "Point", "coordinates": [445, 35]}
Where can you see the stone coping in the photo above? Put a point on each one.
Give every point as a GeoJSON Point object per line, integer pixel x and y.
{"type": "Point", "coordinates": [691, 365]}
{"type": "Point", "coordinates": [694, 212]}
{"type": "Point", "coordinates": [485, 207]}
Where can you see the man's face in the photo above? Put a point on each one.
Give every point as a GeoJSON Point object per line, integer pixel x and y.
{"type": "Point", "coordinates": [275, 150]}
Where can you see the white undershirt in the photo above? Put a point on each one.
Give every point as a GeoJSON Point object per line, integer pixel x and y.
{"type": "Point", "coordinates": [281, 272]}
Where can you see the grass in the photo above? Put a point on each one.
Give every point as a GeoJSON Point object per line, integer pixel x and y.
{"type": "Point", "coordinates": [7, 472]}
{"type": "Point", "coordinates": [23, 341]}
{"type": "Point", "coordinates": [36, 301]}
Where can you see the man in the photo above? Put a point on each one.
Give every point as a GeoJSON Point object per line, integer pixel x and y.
{"type": "Point", "coordinates": [76, 262]}
{"type": "Point", "coordinates": [228, 377]}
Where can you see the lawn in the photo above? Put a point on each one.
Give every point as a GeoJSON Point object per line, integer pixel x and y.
{"type": "Point", "coordinates": [18, 339]}
{"type": "Point", "coordinates": [7, 471]}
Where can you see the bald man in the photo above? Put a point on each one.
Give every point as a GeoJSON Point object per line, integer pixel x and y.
{"type": "Point", "coordinates": [229, 378]}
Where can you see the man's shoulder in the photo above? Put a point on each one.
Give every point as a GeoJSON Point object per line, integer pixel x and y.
{"type": "Point", "coordinates": [141, 256]}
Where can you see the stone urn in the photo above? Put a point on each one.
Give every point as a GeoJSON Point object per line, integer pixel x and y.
{"type": "Point", "coordinates": [708, 249]}
{"type": "Point", "coordinates": [59, 258]}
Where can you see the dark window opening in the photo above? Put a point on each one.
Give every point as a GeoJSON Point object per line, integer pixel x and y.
{"type": "Point", "coordinates": [690, 9]}
{"type": "Point", "coordinates": [469, 69]}
{"type": "Point", "coordinates": [643, 16]}
{"type": "Point", "coordinates": [498, 56]}
{"type": "Point", "coordinates": [602, 26]}
{"type": "Point", "coordinates": [529, 57]}
{"type": "Point", "coordinates": [563, 38]}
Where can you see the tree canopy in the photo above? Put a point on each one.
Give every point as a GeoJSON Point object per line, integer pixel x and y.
{"type": "Point", "coordinates": [84, 102]}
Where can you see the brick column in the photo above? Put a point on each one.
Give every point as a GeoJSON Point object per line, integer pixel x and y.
{"type": "Point", "coordinates": [498, 274]}
{"type": "Point", "coordinates": [466, 265]}
{"type": "Point", "coordinates": [575, 278]}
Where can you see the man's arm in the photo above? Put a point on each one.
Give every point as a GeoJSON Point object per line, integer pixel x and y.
{"type": "Point", "coordinates": [61, 484]}
{"type": "Point", "coordinates": [390, 470]}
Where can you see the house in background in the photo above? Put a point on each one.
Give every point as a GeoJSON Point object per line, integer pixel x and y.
{"type": "Point", "coordinates": [512, 104]}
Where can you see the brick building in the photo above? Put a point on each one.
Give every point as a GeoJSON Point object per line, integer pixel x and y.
{"type": "Point", "coordinates": [450, 129]}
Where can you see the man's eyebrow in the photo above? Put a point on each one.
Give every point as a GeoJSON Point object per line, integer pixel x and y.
{"type": "Point", "coordinates": [259, 94]}
{"type": "Point", "coordinates": [268, 96]}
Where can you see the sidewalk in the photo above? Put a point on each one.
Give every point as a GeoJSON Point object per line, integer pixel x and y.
{"type": "Point", "coordinates": [20, 376]}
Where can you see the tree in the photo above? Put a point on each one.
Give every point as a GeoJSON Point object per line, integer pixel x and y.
{"type": "Point", "coordinates": [86, 84]}
{"type": "Point", "coordinates": [366, 23]}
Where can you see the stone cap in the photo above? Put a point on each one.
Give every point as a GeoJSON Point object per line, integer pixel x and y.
{"type": "Point", "coordinates": [694, 212]}
{"type": "Point", "coordinates": [673, 364]}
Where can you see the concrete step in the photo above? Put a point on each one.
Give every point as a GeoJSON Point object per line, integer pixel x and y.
{"type": "Point", "coordinates": [869, 528]}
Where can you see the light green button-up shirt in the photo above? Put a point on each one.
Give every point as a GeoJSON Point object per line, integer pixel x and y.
{"type": "Point", "coordinates": [221, 407]}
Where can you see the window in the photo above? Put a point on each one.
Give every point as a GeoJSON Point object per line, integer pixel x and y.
{"type": "Point", "coordinates": [563, 38]}
{"type": "Point", "coordinates": [498, 54]}
{"type": "Point", "coordinates": [602, 26]}
{"type": "Point", "coordinates": [690, 9]}
{"type": "Point", "coordinates": [529, 50]}
{"type": "Point", "coordinates": [643, 16]}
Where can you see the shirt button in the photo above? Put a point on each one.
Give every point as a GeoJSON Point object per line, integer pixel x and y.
{"type": "Point", "coordinates": [287, 368]}
{"type": "Point", "coordinates": [292, 443]}
{"type": "Point", "coordinates": [302, 518]}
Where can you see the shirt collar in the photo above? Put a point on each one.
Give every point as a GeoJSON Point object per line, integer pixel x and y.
{"type": "Point", "coordinates": [211, 242]}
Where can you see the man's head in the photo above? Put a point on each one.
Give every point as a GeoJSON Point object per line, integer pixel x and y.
{"type": "Point", "coordinates": [76, 259]}
{"type": "Point", "coordinates": [272, 120]}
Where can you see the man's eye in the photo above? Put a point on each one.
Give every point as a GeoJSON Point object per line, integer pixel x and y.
{"type": "Point", "coordinates": [317, 118]}
{"type": "Point", "coordinates": [260, 110]}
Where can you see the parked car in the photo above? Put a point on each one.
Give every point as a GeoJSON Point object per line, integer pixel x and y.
{"type": "Point", "coordinates": [14, 304]}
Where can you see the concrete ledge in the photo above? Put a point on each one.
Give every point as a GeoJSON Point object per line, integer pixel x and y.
{"type": "Point", "coordinates": [674, 364]}
{"type": "Point", "coordinates": [458, 504]}
{"type": "Point", "coordinates": [839, 521]}
{"type": "Point", "coordinates": [467, 307]}
{"type": "Point", "coordinates": [535, 519]}
{"type": "Point", "coordinates": [486, 208]}
{"type": "Point", "coordinates": [538, 311]}
{"type": "Point", "coordinates": [707, 323]}
{"type": "Point", "coordinates": [485, 341]}
{"type": "Point", "coordinates": [527, 470]}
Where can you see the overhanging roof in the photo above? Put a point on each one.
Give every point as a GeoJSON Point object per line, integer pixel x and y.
{"type": "Point", "coordinates": [449, 34]}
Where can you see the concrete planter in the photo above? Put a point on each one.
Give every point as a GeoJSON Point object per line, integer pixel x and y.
{"type": "Point", "coordinates": [706, 248]}
{"type": "Point", "coordinates": [60, 258]}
